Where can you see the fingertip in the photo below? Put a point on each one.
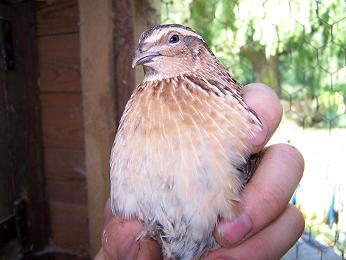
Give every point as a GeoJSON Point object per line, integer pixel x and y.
{"type": "Point", "coordinates": [296, 156]}
{"type": "Point", "coordinates": [266, 104]}
{"type": "Point", "coordinates": [259, 87]}
{"type": "Point", "coordinates": [299, 218]}
{"type": "Point", "coordinates": [230, 232]}
{"type": "Point", "coordinates": [119, 237]}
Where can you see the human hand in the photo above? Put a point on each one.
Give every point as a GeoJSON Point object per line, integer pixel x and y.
{"type": "Point", "coordinates": [267, 227]}
{"type": "Point", "coordinates": [119, 240]}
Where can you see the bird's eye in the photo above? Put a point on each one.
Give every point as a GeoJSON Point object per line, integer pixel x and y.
{"type": "Point", "coordinates": [174, 38]}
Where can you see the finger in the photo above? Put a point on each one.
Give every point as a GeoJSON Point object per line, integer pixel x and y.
{"type": "Point", "coordinates": [266, 195]}
{"type": "Point", "coordinates": [268, 108]}
{"type": "Point", "coordinates": [270, 243]}
{"type": "Point", "coordinates": [119, 237]}
{"type": "Point", "coordinates": [119, 241]}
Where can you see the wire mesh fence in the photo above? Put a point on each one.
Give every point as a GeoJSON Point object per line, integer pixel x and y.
{"type": "Point", "coordinates": [299, 49]}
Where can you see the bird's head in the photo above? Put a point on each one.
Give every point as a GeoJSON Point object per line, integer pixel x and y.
{"type": "Point", "coordinates": [170, 50]}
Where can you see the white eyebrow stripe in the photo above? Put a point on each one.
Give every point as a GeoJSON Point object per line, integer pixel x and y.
{"type": "Point", "coordinates": [157, 34]}
{"type": "Point", "coordinates": [187, 33]}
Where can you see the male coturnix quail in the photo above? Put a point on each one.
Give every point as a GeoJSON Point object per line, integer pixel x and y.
{"type": "Point", "coordinates": [179, 158]}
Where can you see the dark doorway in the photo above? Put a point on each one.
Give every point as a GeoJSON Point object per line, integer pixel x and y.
{"type": "Point", "coordinates": [23, 225]}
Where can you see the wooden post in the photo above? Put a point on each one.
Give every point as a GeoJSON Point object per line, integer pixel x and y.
{"type": "Point", "coordinates": [107, 33]}
{"type": "Point", "coordinates": [97, 76]}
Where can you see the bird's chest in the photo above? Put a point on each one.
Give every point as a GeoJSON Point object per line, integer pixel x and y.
{"type": "Point", "coordinates": [178, 139]}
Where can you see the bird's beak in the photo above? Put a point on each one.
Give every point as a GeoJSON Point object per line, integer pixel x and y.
{"type": "Point", "coordinates": [141, 58]}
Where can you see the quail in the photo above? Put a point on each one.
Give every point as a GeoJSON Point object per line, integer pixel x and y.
{"type": "Point", "coordinates": [180, 157]}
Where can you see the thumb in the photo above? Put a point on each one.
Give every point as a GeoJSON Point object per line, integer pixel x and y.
{"type": "Point", "coordinates": [119, 241]}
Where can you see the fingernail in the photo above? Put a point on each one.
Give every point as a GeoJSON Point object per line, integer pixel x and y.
{"type": "Point", "coordinates": [235, 230]}
{"type": "Point", "coordinates": [259, 137]}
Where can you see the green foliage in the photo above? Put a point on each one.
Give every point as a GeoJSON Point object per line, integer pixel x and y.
{"type": "Point", "coordinates": [307, 38]}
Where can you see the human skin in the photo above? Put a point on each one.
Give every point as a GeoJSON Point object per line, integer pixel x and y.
{"type": "Point", "coordinates": [266, 227]}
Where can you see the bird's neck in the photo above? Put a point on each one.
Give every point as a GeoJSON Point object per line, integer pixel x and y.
{"type": "Point", "coordinates": [206, 67]}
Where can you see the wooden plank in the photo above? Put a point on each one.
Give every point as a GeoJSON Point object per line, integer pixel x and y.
{"type": "Point", "coordinates": [67, 191]}
{"type": "Point", "coordinates": [62, 121]}
{"type": "Point", "coordinates": [69, 226]}
{"type": "Point", "coordinates": [57, 17]}
{"type": "Point", "coordinates": [65, 162]}
{"type": "Point", "coordinates": [65, 175]}
{"type": "Point", "coordinates": [97, 69]}
{"type": "Point", "coordinates": [59, 63]}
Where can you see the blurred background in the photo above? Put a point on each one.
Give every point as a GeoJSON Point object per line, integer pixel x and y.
{"type": "Point", "coordinates": [65, 77]}
{"type": "Point", "coordinates": [298, 48]}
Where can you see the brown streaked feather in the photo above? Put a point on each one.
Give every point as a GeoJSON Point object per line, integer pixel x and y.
{"type": "Point", "coordinates": [180, 157]}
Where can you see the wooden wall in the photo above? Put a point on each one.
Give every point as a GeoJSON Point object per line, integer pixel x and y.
{"type": "Point", "coordinates": [62, 122]}
{"type": "Point", "coordinates": [66, 28]}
